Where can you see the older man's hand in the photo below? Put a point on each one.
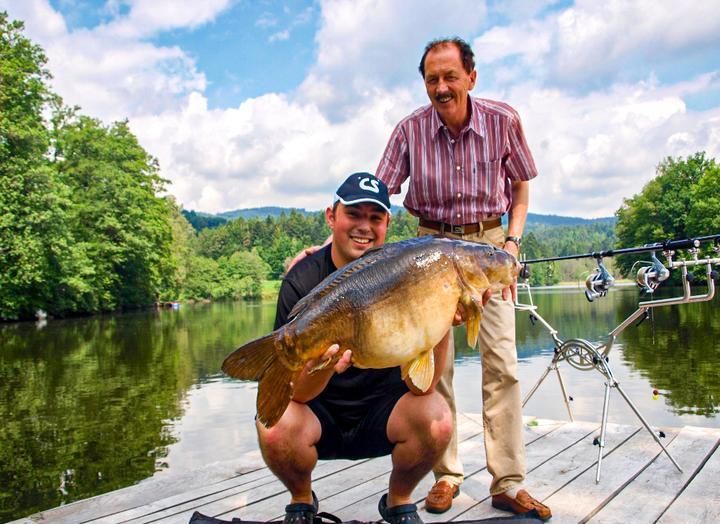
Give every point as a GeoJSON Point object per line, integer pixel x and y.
{"type": "Point", "coordinates": [510, 292]}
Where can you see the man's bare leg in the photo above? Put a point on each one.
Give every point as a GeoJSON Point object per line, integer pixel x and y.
{"type": "Point", "coordinates": [289, 449]}
{"type": "Point", "coordinates": [420, 427]}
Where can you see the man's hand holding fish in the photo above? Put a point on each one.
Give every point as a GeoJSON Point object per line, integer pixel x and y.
{"type": "Point", "coordinates": [313, 378]}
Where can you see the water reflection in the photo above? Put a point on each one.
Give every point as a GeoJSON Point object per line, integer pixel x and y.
{"type": "Point", "coordinates": [677, 350]}
{"type": "Point", "coordinates": [86, 404]}
{"type": "Point", "coordinates": [95, 404]}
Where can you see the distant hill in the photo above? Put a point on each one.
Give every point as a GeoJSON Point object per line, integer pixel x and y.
{"type": "Point", "coordinates": [557, 220]}
{"type": "Point", "coordinates": [533, 219]}
{"type": "Point", "coordinates": [200, 220]}
{"type": "Point", "coordinates": [261, 212]}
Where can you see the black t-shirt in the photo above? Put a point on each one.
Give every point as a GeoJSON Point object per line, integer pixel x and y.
{"type": "Point", "coordinates": [349, 395]}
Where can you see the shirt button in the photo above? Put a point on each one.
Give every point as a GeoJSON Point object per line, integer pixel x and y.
{"type": "Point", "coordinates": [457, 168]}
{"type": "Point", "coordinates": [452, 141]}
{"type": "Point", "coordinates": [459, 195]}
{"type": "Point", "coordinates": [458, 215]}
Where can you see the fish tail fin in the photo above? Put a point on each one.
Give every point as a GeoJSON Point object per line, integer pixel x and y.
{"type": "Point", "coordinates": [274, 393]}
{"type": "Point", "coordinates": [421, 370]}
{"type": "Point", "coordinates": [257, 360]}
{"type": "Point", "coordinates": [250, 361]}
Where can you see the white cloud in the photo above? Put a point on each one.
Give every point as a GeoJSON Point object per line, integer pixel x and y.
{"type": "Point", "coordinates": [367, 47]}
{"type": "Point", "coordinates": [147, 17]}
{"type": "Point", "coordinates": [224, 159]}
{"type": "Point", "coordinates": [279, 36]}
{"type": "Point", "coordinates": [593, 150]}
{"type": "Point", "coordinates": [591, 41]}
{"type": "Point", "coordinates": [42, 22]}
{"type": "Point", "coordinates": [521, 9]}
{"type": "Point", "coordinates": [266, 20]}
{"type": "Point", "coordinates": [593, 146]}
{"type": "Point", "coordinates": [109, 70]}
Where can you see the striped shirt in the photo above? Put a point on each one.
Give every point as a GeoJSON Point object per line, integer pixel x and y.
{"type": "Point", "coordinates": [458, 181]}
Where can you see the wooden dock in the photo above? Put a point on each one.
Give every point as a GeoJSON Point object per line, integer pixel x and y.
{"type": "Point", "coordinates": [639, 483]}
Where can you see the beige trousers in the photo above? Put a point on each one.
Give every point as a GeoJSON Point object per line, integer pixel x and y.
{"type": "Point", "coordinates": [502, 409]}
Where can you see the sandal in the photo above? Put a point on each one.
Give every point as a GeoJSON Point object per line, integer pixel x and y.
{"type": "Point", "coordinates": [402, 514]}
{"type": "Point", "coordinates": [301, 512]}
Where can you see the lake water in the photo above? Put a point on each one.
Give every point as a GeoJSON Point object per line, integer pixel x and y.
{"type": "Point", "coordinates": [94, 404]}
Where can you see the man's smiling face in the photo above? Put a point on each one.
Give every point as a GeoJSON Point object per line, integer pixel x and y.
{"type": "Point", "coordinates": [356, 229]}
{"type": "Point", "coordinates": [448, 84]}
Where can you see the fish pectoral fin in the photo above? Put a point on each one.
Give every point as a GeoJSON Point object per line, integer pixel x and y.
{"type": "Point", "coordinates": [421, 370]}
{"type": "Point", "coordinates": [473, 316]}
{"type": "Point", "coordinates": [275, 390]}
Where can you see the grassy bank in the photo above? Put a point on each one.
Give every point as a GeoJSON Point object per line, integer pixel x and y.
{"type": "Point", "coordinates": [270, 289]}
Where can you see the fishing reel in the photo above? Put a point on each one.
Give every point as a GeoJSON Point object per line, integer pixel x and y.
{"type": "Point", "coordinates": [648, 278]}
{"type": "Point", "coordinates": [598, 283]}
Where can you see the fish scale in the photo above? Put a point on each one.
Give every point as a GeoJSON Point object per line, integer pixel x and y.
{"type": "Point", "coordinates": [391, 307]}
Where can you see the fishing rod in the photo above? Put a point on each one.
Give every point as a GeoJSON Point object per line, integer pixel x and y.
{"type": "Point", "coordinates": [648, 277]}
{"type": "Point", "coordinates": [668, 245]}
{"type": "Point", "coordinates": [585, 355]}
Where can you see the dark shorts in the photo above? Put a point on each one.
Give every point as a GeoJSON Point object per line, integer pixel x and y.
{"type": "Point", "coordinates": [366, 439]}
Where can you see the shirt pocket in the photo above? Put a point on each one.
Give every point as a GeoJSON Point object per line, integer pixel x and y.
{"type": "Point", "coordinates": [487, 180]}
{"type": "Point", "coordinates": [488, 170]}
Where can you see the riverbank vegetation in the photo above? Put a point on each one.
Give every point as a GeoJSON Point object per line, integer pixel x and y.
{"type": "Point", "coordinates": [86, 224]}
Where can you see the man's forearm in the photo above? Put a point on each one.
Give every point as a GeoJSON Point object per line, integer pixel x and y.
{"type": "Point", "coordinates": [518, 208]}
{"type": "Point", "coordinates": [309, 386]}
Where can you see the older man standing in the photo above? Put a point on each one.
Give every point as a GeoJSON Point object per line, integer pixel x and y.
{"type": "Point", "coordinates": [468, 164]}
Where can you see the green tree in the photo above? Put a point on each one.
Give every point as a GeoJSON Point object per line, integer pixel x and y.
{"type": "Point", "coordinates": [679, 202]}
{"type": "Point", "coordinates": [704, 216]}
{"type": "Point", "coordinates": [36, 250]}
{"type": "Point", "coordinates": [121, 224]}
{"type": "Point", "coordinates": [243, 273]}
{"type": "Point", "coordinates": [183, 248]}
{"type": "Point", "coordinates": [403, 225]}
{"type": "Point", "coordinates": [203, 278]}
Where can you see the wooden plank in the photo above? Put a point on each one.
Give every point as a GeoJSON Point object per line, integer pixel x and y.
{"type": "Point", "coordinates": [264, 509]}
{"type": "Point", "coordinates": [210, 477]}
{"type": "Point", "coordinates": [173, 505]}
{"type": "Point", "coordinates": [543, 434]}
{"type": "Point", "coordinates": [582, 496]}
{"type": "Point", "coordinates": [651, 492]}
{"type": "Point", "coordinates": [700, 500]}
{"type": "Point", "coordinates": [263, 475]}
{"type": "Point", "coordinates": [367, 483]}
{"type": "Point", "coordinates": [638, 482]}
{"type": "Point", "coordinates": [473, 455]}
{"type": "Point", "coordinates": [183, 508]}
{"type": "Point", "coordinates": [369, 489]}
{"type": "Point", "coordinates": [342, 485]}
{"type": "Point", "coordinates": [553, 470]}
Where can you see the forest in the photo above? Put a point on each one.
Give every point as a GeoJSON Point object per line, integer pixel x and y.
{"type": "Point", "coordinates": [87, 224]}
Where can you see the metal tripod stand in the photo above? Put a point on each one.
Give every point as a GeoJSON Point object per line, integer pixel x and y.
{"type": "Point", "coordinates": [587, 356]}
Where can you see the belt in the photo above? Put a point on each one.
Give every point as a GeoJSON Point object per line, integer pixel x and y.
{"type": "Point", "coordinates": [462, 229]}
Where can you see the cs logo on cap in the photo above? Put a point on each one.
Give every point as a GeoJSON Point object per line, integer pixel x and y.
{"type": "Point", "coordinates": [369, 185]}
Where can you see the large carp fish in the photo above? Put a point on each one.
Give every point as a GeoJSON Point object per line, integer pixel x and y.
{"type": "Point", "coordinates": [390, 307]}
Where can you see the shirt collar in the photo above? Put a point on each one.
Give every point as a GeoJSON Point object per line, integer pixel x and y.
{"type": "Point", "coordinates": [475, 124]}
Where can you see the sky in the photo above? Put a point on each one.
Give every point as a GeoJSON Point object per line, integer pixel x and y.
{"type": "Point", "coordinates": [273, 103]}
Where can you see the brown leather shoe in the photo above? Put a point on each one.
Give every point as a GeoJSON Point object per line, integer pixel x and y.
{"type": "Point", "coordinates": [522, 504]}
{"type": "Point", "coordinates": [440, 497]}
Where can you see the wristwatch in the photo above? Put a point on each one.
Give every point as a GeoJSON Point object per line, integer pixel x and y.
{"type": "Point", "coordinates": [511, 238]}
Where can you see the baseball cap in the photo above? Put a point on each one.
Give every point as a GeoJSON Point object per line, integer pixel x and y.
{"type": "Point", "coordinates": [363, 187]}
